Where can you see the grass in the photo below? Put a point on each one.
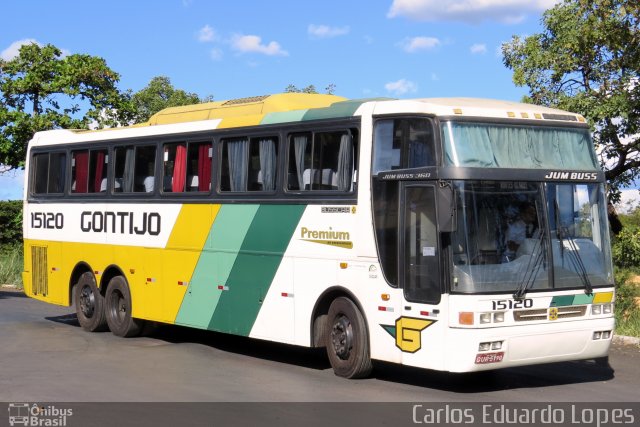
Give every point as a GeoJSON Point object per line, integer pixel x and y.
{"type": "Point", "coordinates": [627, 302]}
{"type": "Point", "coordinates": [11, 265]}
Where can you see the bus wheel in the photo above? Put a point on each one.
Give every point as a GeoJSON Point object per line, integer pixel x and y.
{"type": "Point", "coordinates": [347, 340]}
{"type": "Point", "coordinates": [118, 309]}
{"type": "Point", "coordinates": [89, 304]}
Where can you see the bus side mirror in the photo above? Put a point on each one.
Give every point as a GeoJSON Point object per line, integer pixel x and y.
{"type": "Point", "coordinates": [447, 217]}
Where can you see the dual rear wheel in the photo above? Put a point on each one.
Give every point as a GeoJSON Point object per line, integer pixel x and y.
{"type": "Point", "coordinates": [347, 338]}
{"type": "Point", "coordinates": [96, 312]}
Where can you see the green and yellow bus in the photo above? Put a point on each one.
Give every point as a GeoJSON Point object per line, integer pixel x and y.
{"type": "Point", "coordinates": [449, 234]}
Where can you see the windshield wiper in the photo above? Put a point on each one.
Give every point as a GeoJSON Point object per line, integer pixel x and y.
{"type": "Point", "coordinates": [573, 251]}
{"type": "Point", "coordinates": [576, 259]}
{"type": "Point", "coordinates": [534, 264]}
{"type": "Point", "coordinates": [532, 268]}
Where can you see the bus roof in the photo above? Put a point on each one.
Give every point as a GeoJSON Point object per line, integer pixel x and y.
{"type": "Point", "coordinates": [294, 107]}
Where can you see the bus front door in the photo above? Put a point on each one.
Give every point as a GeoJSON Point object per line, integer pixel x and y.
{"type": "Point", "coordinates": [422, 331]}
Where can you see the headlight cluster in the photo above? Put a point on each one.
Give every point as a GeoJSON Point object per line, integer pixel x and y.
{"type": "Point", "coordinates": [598, 309]}
{"type": "Point", "coordinates": [497, 317]}
{"type": "Point", "coordinates": [488, 346]}
{"type": "Point", "coordinates": [604, 335]}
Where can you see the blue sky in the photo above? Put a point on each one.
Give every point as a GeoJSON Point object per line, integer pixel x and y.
{"type": "Point", "coordinates": [231, 49]}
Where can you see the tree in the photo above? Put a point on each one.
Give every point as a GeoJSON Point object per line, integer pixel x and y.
{"type": "Point", "coordinates": [587, 60]}
{"type": "Point", "coordinates": [329, 90]}
{"type": "Point", "coordinates": [160, 94]}
{"type": "Point", "coordinates": [41, 89]}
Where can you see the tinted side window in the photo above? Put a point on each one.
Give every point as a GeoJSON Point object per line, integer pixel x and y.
{"type": "Point", "coordinates": [322, 161]}
{"type": "Point", "coordinates": [48, 173]}
{"type": "Point", "coordinates": [249, 164]}
{"type": "Point", "coordinates": [135, 169]}
{"type": "Point", "coordinates": [89, 171]}
{"type": "Point", "coordinates": [403, 143]}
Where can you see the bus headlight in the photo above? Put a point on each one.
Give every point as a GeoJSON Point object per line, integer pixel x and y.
{"type": "Point", "coordinates": [485, 318]}
{"type": "Point", "coordinates": [596, 309]}
{"type": "Point", "coordinates": [607, 308]}
{"type": "Point", "coordinates": [484, 346]}
{"type": "Point", "coordinates": [496, 345]}
{"type": "Point", "coordinates": [498, 317]}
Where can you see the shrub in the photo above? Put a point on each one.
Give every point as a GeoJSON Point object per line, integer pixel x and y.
{"type": "Point", "coordinates": [626, 248]}
{"type": "Point", "coordinates": [10, 222]}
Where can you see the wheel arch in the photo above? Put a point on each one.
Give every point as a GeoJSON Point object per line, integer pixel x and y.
{"type": "Point", "coordinates": [80, 268]}
{"type": "Point", "coordinates": [321, 310]}
{"type": "Point", "coordinates": [109, 273]}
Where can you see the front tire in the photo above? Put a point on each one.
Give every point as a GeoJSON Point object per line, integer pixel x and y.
{"type": "Point", "coordinates": [118, 309]}
{"type": "Point", "coordinates": [347, 340]}
{"type": "Point", "coordinates": [89, 304]}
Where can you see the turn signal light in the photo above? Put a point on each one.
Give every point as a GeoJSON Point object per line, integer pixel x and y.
{"type": "Point", "coordinates": [465, 317]}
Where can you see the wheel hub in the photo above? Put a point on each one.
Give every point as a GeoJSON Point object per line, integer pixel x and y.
{"type": "Point", "coordinates": [342, 337]}
{"type": "Point", "coordinates": [87, 301]}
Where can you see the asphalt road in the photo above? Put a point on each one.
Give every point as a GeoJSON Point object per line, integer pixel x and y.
{"type": "Point", "coordinates": [46, 356]}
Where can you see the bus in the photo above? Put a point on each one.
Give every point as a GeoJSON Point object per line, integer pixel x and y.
{"type": "Point", "coordinates": [448, 234]}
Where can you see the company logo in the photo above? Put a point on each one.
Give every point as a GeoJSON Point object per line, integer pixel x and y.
{"type": "Point", "coordinates": [408, 332]}
{"type": "Point", "coordinates": [329, 237]}
{"type": "Point", "coordinates": [553, 313]}
{"type": "Point", "coordinates": [27, 414]}
{"type": "Point", "coordinates": [579, 176]}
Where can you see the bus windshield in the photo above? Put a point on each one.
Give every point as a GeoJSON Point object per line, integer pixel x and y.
{"type": "Point", "coordinates": [533, 236]}
{"type": "Point", "coordinates": [492, 145]}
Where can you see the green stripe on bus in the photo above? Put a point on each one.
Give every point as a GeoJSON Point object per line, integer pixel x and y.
{"type": "Point", "coordinates": [255, 267]}
{"type": "Point", "coordinates": [215, 263]}
{"type": "Point", "coordinates": [562, 300]}
{"type": "Point", "coordinates": [338, 109]}
{"type": "Point", "coordinates": [582, 299]}
{"type": "Point", "coordinates": [283, 117]}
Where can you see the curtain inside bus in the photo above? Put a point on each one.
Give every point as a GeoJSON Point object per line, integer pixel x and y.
{"type": "Point", "coordinates": [529, 147]}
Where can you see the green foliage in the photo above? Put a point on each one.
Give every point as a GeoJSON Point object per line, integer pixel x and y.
{"type": "Point", "coordinates": [626, 248]}
{"type": "Point", "coordinates": [11, 265]}
{"type": "Point", "coordinates": [10, 222]}
{"type": "Point", "coordinates": [587, 60]}
{"type": "Point", "coordinates": [631, 219]}
{"type": "Point", "coordinates": [329, 90]}
{"type": "Point", "coordinates": [627, 312]}
{"type": "Point", "coordinates": [158, 95]}
{"type": "Point", "coordinates": [41, 89]}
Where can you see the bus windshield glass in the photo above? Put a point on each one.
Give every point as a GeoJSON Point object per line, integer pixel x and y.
{"type": "Point", "coordinates": [492, 145]}
{"type": "Point", "coordinates": [534, 236]}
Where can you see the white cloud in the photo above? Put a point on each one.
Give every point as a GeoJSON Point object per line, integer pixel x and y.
{"type": "Point", "coordinates": [415, 44]}
{"type": "Point", "coordinates": [216, 54]}
{"type": "Point", "coordinates": [478, 49]}
{"type": "Point", "coordinates": [401, 87]}
{"type": "Point", "coordinates": [474, 11]}
{"type": "Point", "coordinates": [253, 44]}
{"type": "Point", "coordinates": [325, 31]}
{"type": "Point", "coordinates": [14, 49]}
{"type": "Point", "coordinates": [629, 199]}
{"type": "Point", "coordinates": [206, 34]}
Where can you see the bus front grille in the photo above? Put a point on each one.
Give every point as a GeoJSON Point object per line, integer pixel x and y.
{"type": "Point", "coordinates": [572, 311]}
{"type": "Point", "coordinates": [39, 271]}
{"type": "Point", "coordinates": [543, 313]}
{"type": "Point", "coordinates": [529, 315]}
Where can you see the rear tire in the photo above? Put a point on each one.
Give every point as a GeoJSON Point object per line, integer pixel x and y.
{"type": "Point", "coordinates": [118, 309]}
{"type": "Point", "coordinates": [347, 340]}
{"type": "Point", "coordinates": [89, 304]}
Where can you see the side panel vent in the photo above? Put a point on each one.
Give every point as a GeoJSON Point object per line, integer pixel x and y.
{"type": "Point", "coordinates": [39, 270]}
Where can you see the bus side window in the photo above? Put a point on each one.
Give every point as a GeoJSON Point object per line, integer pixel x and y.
{"type": "Point", "coordinates": [48, 174]}
{"type": "Point", "coordinates": [88, 171]}
{"type": "Point", "coordinates": [403, 143]}
{"type": "Point", "coordinates": [325, 162]}
{"type": "Point", "coordinates": [134, 169]}
{"type": "Point", "coordinates": [248, 164]}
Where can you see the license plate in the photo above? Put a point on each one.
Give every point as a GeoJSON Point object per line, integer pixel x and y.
{"type": "Point", "coordinates": [483, 358]}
